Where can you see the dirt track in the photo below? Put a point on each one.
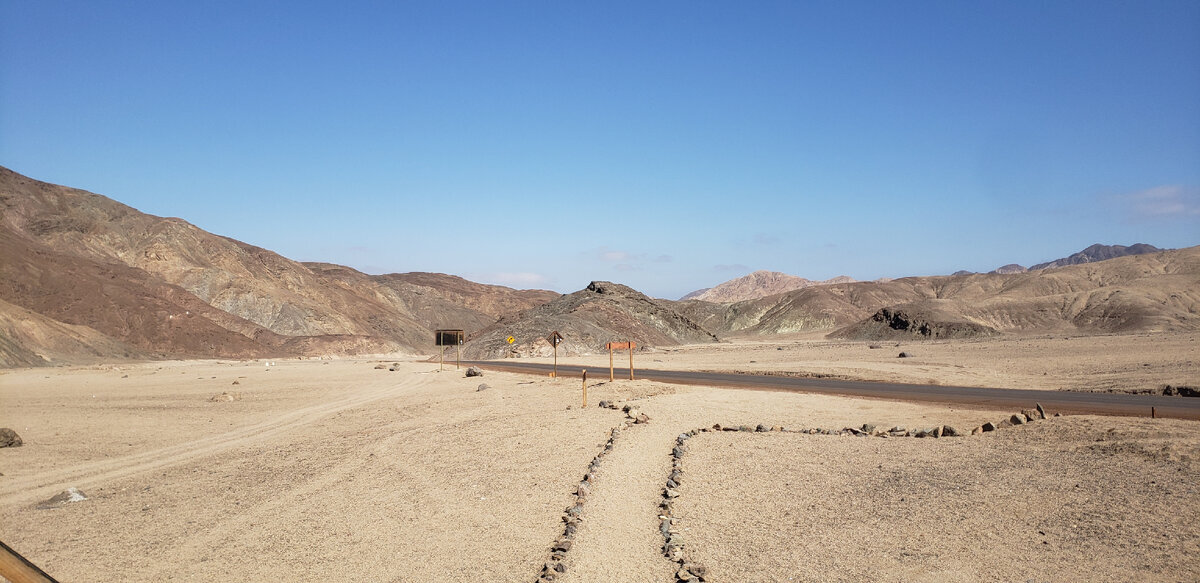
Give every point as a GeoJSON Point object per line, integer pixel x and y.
{"type": "Point", "coordinates": [343, 471]}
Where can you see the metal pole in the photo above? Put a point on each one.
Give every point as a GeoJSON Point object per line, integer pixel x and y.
{"type": "Point", "coordinates": [458, 355]}
{"type": "Point", "coordinates": [556, 360]}
{"type": "Point", "coordinates": [585, 387]}
{"type": "Point", "coordinates": [441, 357]}
{"type": "Point", "coordinates": [631, 360]}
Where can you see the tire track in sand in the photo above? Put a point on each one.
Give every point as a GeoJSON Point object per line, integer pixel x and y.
{"type": "Point", "coordinates": [22, 490]}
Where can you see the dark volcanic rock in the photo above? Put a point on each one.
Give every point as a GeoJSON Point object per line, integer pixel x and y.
{"type": "Point", "coordinates": [9, 438]}
{"type": "Point", "coordinates": [896, 322]}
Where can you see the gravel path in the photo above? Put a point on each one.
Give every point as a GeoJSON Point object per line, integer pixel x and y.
{"type": "Point", "coordinates": [618, 539]}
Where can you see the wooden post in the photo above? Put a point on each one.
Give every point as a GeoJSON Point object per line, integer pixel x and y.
{"type": "Point", "coordinates": [441, 357]}
{"type": "Point", "coordinates": [1152, 413]}
{"type": "Point", "coordinates": [458, 355]}
{"type": "Point", "coordinates": [610, 363]}
{"type": "Point", "coordinates": [555, 375]}
{"type": "Point", "coordinates": [630, 359]}
{"type": "Point", "coordinates": [585, 387]}
{"type": "Point", "coordinates": [18, 569]}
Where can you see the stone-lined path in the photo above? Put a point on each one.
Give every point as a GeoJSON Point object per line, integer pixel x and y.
{"type": "Point", "coordinates": [618, 539]}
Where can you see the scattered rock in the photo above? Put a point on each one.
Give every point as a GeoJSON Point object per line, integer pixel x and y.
{"type": "Point", "coordinates": [868, 428]}
{"type": "Point", "coordinates": [474, 372]}
{"type": "Point", "coordinates": [1173, 391]}
{"type": "Point", "coordinates": [948, 431]}
{"type": "Point", "coordinates": [761, 428]}
{"type": "Point", "coordinates": [68, 496]}
{"type": "Point", "coordinates": [1029, 414]}
{"type": "Point", "coordinates": [603, 404]}
{"type": "Point", "coordinates": [1040, 410]}
{"type": "Point", "coordinates": [745, 428]}
{"type": "Point", "coordinates": [9, 438]}
{"type": "Point", "coordinates": [482, 387]}
{"type": "Point", "coordinates": [236, 382]}
{"type": "Point", "coordinates": [904, 355]}
{"type": "Point", "coordinates": [642, 418]}
{"type": "Point", "coordinates": [225, 397]}
{"type": "Point", "coordinates": [989, 426]}
{"type": "Point", "coordinates": [1017, 419]}
{"type": "Point", "coordinates": [380, 366]}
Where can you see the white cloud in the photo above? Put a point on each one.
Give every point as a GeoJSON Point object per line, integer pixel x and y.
{"type": "Point", "coordinates": [1167, 201]}
{"type": "Point", "coordinates": [517, 280]}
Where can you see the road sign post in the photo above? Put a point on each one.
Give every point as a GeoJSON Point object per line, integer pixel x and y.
{"type": "Point", "coordinates": [585, 387]}
{"type": "Point", "coordinates": [554, 339]}
{"type": "Point", "coordinates": [444, 338]}
{"type": "Point", "coordinates": [627, 345]}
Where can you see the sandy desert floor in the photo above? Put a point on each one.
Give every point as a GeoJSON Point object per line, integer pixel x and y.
{"type": "Point", "coordinates": [338, 470]}
{"type": "Point", "coordinates": [1125, 363]}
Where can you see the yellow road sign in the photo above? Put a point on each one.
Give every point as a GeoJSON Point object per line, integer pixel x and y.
{"type": "Point", "coordinates": [510, 339]}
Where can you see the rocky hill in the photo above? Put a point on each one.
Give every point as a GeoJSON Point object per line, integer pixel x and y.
{"type": "Point", "coordinates": [163, 287]}
{"type": "Point", "coordinates": [1099, 252]}
{"type": "Point", "coordinates": [756, 285]}
{"type": "Point", "coordinates": [587, 319]}
{"type": "Point", "coordinates": [1159, 291]}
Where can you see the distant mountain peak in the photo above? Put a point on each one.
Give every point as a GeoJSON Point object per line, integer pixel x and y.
{"type": "Point", "coordinates": [758, 284]}
{"type": "Point", "coordinates": [1098, 252]}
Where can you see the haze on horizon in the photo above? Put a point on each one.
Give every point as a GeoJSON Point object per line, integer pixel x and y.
{"type": "Point", "coordinates": [668, 147]}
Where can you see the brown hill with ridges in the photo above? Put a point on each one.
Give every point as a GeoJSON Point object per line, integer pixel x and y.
{"type": "Point", "coordinates": [602, 312]}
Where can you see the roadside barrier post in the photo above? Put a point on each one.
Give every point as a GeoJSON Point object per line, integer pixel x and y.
{"type": "Point", "coordinates": [585, 387]}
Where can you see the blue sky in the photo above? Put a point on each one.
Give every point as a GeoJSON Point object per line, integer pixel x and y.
{"type": "Point", "coordinates": [666, 145]}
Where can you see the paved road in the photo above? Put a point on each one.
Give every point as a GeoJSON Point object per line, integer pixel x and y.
{"type": "Point", "coordinates": [1065, 402]}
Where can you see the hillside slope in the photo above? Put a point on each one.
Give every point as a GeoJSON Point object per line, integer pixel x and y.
{"type": "Point", "coordinates": [600, 313]}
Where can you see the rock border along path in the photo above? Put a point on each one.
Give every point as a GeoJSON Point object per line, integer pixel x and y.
{"type": "Point", "coordinates": [673, 544]}
{"type": "Point", "coordinates": [573, 515]}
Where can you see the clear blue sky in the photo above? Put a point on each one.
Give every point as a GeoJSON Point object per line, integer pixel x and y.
{"type": "Point", "coordinates": [666, 145]}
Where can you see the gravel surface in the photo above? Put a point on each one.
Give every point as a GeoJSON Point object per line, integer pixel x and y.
{"type": "Point", "coordinates": [1066, 499]}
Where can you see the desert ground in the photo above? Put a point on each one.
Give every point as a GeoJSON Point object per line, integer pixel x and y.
{"type": "Point", "coordinates": [337, 469]}
{"type": "Point", "coordinates": [1115, 362]}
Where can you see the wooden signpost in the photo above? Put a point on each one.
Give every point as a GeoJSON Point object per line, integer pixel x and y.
{"type": "Point", "coordinates": [585, 387]}
{"type": "Point", "coordinates": [444, 338]}
{"type": "Point", "coordinates": [620, 346]}
{"type": "Point", "coordinates": [554, 339]}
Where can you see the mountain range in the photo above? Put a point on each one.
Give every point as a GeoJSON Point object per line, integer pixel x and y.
{"type": "Point", "coordinates": [84, 278]}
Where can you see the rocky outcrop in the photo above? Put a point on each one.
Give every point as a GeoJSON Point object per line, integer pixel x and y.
{"type": "Point", "coordinates": [898, 322]}
{"type": "Point", "coordinates": [587, 319]}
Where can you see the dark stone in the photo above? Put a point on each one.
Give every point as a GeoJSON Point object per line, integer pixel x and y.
{"type": "Point", "coordinates": [474, 372]}
{"type": "Point", "coordinates": [9, 438]}
{"type": "Point", "coordinates": [762, 428]}
{"type": "Point", "coordinates": [745, 428]}
{"type": "Point", "coordinates": [1017, 419]}
{"type": "Point", "coordinates": [903, 355]}
{"type": "Point", "coordinates": [989, 426]}
{"type": "Point", "coordinates": [948, 431]}
{"type": "Point", "coordinates": [1040, 410]}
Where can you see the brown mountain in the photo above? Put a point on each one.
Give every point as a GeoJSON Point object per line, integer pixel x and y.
{"type": "Point", "coordinates": [759, 284]}
{"type": "Point", "coordinates": [162, 286]}
{"type": "Point", "coordinates": [1098, 252]}
{"type": "Point", "coordinates": [1159, 291]}
{"type": "Point", "coordinates": [587, 319]}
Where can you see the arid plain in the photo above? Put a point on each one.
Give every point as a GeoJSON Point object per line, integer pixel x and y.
{"type": "Point", "coordinates": [337, 469]}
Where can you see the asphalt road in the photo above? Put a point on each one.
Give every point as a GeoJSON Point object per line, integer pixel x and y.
{"type": "Point", "coordinates": [1065, 402]}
